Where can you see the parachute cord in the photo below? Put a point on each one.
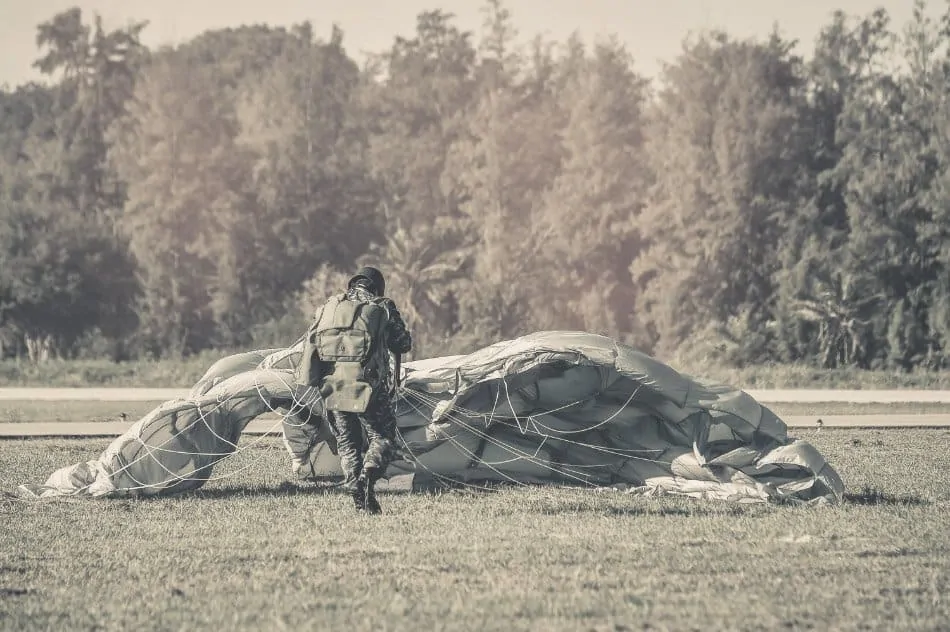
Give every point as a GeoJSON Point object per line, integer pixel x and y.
{"type": "Point", "coordinates": [418, 463]}
{"type": "Point", "coordinates": [179, 478]}
{"type": "Point", "coordinates": [471, 454]}
{"type": "Point", "coordinates": [454, 415]}
{"type": "Point", "coordinates": [202, 416]}
{"type": "Point", "coordinates": [468, 412]}
{"type": "Point", "coordinates": [533, 416]}
{"type": "Point", "coordinates": [524, 455]}
{"type": "Point", "coordinates": [124, 468]}
{"type": "Point", "coordinates": [512, 406]}
{"type": "Point", "coordinates": [612, 451]}
{"type": "Point", "coordinates": [595, 426]}
{"type": "Point", "coordinates": [491, 415]}
{"type": "Point", "coordinates": [238, 450]}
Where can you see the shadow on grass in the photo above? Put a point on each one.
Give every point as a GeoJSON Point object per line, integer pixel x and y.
{"type": "Point", "coordinates": [285, 489]}
{"type": "Point", "coordinates": [899, 552]}
{"type": "Point", "coordinates": [689, 508]}
{"type": "Point", "coordinates": [873, 496]}
{"type": "Point", "coordinates": [656, 511]}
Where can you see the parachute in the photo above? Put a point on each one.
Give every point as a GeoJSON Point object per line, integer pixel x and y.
{"type": "Point", "coordinates": [568, 408]}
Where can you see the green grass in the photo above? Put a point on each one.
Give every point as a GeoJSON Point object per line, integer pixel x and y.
{"type": "Point", "coordinates": [78, 373]}
{"type": "Point", "coordinates": [800, 376]}
{"type": "Point", "coordinates": [184, 373]}
{"type": "Point", "coordinates": [254, 551]}
{"type": "Point", "coordinates": [17, 411]}
{"type": "Point", "coordinates": [784, 409]}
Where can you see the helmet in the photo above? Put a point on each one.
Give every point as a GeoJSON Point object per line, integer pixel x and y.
{"type": "Point", "coordinates": [371, 274]}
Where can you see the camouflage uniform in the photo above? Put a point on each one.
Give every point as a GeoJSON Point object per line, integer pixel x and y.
{"type": "Point", "coordinates": [363, 468]}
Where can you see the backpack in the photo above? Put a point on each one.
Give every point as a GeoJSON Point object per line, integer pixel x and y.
{"type": "Point", "coordinates": [352, 336]}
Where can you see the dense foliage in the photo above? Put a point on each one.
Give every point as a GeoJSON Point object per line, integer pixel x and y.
{"type": "Point", "coordinates": [750, 205]}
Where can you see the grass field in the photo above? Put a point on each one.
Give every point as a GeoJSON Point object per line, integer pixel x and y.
{"type": "Point", "coordinates": [66, 411]}
{"type": "Point", "coordinates": [256, 552]}
{"type": "Point", "coordinates": [23, 411]}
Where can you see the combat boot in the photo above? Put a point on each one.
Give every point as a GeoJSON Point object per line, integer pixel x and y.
{"type": "Point", "coordinates": [358, 493]}
{"type": "Point", "coordinates": [370, 476]}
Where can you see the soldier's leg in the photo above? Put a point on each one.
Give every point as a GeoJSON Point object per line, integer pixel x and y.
{"type": "Point", "coordinates": [300, 436]}
{"type": "Point", "coordinates": [349, 438]}
{"type": "Point", "coordinates": [379, 423]}
{"type": "Point", "coordinates": [380, 428]}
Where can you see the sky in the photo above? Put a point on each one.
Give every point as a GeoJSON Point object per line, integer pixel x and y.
{"type": "Point", "coordinates": [653, 30]}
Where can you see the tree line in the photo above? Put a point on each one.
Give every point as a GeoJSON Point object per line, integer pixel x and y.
{"type": "Point", "coordinates": [749, 205]}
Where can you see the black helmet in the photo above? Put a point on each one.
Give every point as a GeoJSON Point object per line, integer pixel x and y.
{"type": "Point", "coordinates": [371, 274]}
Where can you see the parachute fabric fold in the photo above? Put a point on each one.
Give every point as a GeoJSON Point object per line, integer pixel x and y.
{"type": "Point", "coordinates": [550, 407]}
{"type": "Point", "coordinates": [174, 447]}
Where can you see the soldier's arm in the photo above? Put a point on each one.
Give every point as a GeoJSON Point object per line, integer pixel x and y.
{"type": "Point", "coordinates": [400, 340]}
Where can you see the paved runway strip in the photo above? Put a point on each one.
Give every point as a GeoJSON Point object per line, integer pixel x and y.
{"type": "Point", "coordinates": [271, 423]}
{"type": "Point", "coordinates": [766, 396]}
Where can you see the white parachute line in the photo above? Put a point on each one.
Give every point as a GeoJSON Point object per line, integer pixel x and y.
{"type": "Point", "coordinates": [491, 415]}
{"type": "Point", "coordinates": [616, 451]}
{"type": "Point", "coordinates": [200, 417]}
{"type": "Point", "coordinates": [149, 449]}
{"type": "Point", "coordinates": [148, 452]}
{"type": "Point", "coordinates": [531, 458]}
{"type": "Point", "coordinates": [179, 478]}
{"type": "Point", "coordinates": [468, 412]}
{"type": "Point", "coordinates": [524, 455]}
{"type": "Point", "coordinates": [612, 451]}
{"type": "Point", "coordinates": [563, 468]}
{"type": "Point", "coordinates": [417, 462]}
{"type": "Point", "coordinates": [512, 406]}
{"type": "Point", "coordinates": [597, 425]}
{"type": "Point", "coordinates": [295, 402]}
{"type": "Point", "coordinates": [460, 446]}
{"type": "Point", "coordinates": [533, 416]}
{"type": "Point", "coordinates": [238, 449]}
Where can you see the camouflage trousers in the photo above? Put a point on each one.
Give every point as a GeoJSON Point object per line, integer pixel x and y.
{"type": "Point", "coordinates": [379, 425]}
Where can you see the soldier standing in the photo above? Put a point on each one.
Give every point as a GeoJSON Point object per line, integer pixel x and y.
{"type": "Point", "coordinates": [346, 356]}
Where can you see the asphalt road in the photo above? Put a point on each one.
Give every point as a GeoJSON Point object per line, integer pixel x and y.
{"type": "Point", "coordinates": [271, 423]}
{"type": "Point", "coordinates": [767, 396]}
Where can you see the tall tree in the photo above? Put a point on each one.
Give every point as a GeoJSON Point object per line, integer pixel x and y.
{"type": "Point", "coordinates": [185, 178]}
{"type": "Point", "coordinates": [727, 151]}
{"type": "Point", "coordinates": [191, 209]}
{"type": "Point", "coordinates": [888, 167]}
{"type": "Point", "coordinates": [594, 204]}
{"type": "Point", "coordinates": [96, 72]}
{"type": "Point", "coordinates": [315, 201]}
{"type": "Point", "coordinates": [848, 56]}
{"type": "Point", "coordinates": [416, 110]}
{"type": "Point", "coordinates": [60, 197]}
{"type": "Point", "coordinates": [499, 167]}
{"type": "Point", "coordinates": [57, 280]}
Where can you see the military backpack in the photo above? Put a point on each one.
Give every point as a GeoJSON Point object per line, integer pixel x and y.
{"type": "Point", "coordinates": [345, 352]}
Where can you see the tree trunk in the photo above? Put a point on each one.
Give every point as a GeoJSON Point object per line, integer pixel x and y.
{"type": "Point", "coordinates": [38, 348]}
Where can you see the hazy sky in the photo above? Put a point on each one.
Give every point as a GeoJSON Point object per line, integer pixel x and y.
{"type": "Point", "coordinates": [652, 29]}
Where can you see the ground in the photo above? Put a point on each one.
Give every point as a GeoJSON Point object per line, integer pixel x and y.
{"type": "Point", "coordinates": [254, 551]}
{"type": "Point", "coordinates": [16, 411]}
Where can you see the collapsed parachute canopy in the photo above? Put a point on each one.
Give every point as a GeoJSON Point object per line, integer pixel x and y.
{"type": "Point", "coordinates": [564, 407]}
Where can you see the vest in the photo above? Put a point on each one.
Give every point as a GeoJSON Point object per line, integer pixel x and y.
{"type": "Point", "coordinates": [345, 353]}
